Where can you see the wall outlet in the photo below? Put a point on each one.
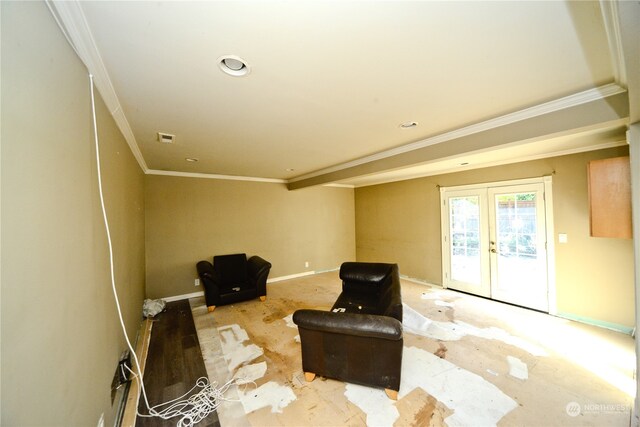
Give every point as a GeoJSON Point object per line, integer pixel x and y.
{"type": "Point", "coordinates": [196, 282]}
{"type": "Point", "coordinates": [306, 264]}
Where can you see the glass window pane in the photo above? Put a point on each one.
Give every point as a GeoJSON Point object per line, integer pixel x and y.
{"type": "Point", "coordinates": [465, 239]}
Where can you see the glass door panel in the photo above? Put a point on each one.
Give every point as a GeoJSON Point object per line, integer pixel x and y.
{"type": "Point", "coordinates": [466, 243]}
{"type": "Point", "coordinates": [465, 239]}
{"type": "Point", "coordinates": [518, 255]}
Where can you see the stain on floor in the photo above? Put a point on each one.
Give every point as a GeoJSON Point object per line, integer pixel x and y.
{"type": "Point", "coordinates": [476, 345]}
{"type": "Point", "coordinates": [441, 352]}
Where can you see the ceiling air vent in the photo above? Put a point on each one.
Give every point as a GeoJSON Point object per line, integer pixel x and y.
{"type": "Point", "coordinates": [166, 138]}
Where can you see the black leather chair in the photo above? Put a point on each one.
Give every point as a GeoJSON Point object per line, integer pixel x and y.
{"type": "Point", "coordinates": [233, 278]}
{"type": "Point", "coordinates": [360, 339]}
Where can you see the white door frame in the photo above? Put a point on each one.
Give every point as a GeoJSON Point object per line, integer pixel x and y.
{"type": "Point", "coordinates": [550, 239]}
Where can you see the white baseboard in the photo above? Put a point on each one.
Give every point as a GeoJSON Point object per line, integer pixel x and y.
{"type": "Point", "coordinates": [291, 276]}
{"type": "Point", "coordinates": [184, 296]}
{"type": "Point", "coordinates": [418, 281]}
{"type": "Point", "coordinates": [273, 280]}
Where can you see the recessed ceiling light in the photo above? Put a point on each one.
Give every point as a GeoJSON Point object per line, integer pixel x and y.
{"type": "Point", "coordinates": [408, 125]}
{"type": "Point", "coordinates": [191, 159]}
{"type": "Point", "coordinates": [234, 65]}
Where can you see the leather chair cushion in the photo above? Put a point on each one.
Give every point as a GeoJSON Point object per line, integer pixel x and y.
{"type": "Point", "coordinates": [232, 270]}
{"type": "Point", "coordinates": [357, 303]}
{"type": "Point", "coordinates": [237, 296]}
{"type": "Point", "coordinates": [365, 274]}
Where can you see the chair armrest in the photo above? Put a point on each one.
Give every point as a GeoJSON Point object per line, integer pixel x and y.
{"type": "Point", "coordinates": [205, 269]}
{"type": "Point", "coordinates": [210, 281]}
{"type": "Point", "coordinates": [257, 265]}
{"type": "Point", "coordinates": [365, 325]}
{"type": "Point", "coordinates": [258, 270]}
{"type": "Point", "coordinates": [394, 296]}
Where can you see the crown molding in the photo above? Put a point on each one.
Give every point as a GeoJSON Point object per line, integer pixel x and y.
{"type": "Point", "coordinates": [337, 185]}
{"type": "Point", "coordinates": [529, 158]}
{"type": "Point", "coordinates": [215, 176]}
{"type": "Point", "coordinates": [232, 177]}
{"type": "Point", "coordinates": [74, 26]}
{"type": "Point", "coordinates": [537, 110]}
{"type": "Point", "coordinates": [611, 20]}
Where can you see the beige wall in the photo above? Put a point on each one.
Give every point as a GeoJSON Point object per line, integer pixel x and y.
{"type": "Point", "coordinates": [400, 222]}
{"type": "Point", "coordinates": [190, 219]}
{"type": "Point", "coordinates": [61, 338]}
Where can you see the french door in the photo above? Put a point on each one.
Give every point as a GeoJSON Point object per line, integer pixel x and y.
{"type": "Point", "coordinates": [495, 242]}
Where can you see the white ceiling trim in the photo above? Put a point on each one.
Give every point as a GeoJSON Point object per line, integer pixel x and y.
{"type": "Point", "coordinates": [612, 27]}
{"type": "Point", "coordinates": [233, 178]}
{"type": "Point", "coordinates": [595, 147]}
{"type": "Point", "coordinates": [338, 185]}
{"type": "Point", "coordinates": [215, 176]}
{"type": "Point", "coordinates": [538, 110]}
{"type": "Point", "coordinates": [72, 22]}
{"type": "Point", "coordinates": [71, 19]}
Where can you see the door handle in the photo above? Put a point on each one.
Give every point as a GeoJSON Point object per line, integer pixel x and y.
{"type": "Point", "coordinates": [493, 250]}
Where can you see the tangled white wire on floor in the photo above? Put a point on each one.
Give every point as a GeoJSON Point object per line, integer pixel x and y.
{"type": "Point", "coordinates": [191, 408]}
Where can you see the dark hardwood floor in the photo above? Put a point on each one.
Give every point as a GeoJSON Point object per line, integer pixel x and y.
{"type": "Point", "coordinates": [174, 362]}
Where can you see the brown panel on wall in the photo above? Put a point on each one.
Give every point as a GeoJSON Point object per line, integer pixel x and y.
{"type": "Point", "coordinates": [610, 197]}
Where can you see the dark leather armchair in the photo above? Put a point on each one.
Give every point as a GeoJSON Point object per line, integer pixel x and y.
{"type": "Point", "coordinates": [360, 339]}
{"type": "Point", "coordinates": [233, 278]}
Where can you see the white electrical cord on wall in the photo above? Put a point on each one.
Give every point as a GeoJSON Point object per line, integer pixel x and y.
{"type": "Point", "coordinates": [192, 409]}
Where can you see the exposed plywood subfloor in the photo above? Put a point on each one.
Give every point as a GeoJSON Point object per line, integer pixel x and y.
{"type": "Point", "coordinates": [566, 362]}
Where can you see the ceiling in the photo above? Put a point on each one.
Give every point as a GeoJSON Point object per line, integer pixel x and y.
{"type": "Point", "coordinates": [330, 83]}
